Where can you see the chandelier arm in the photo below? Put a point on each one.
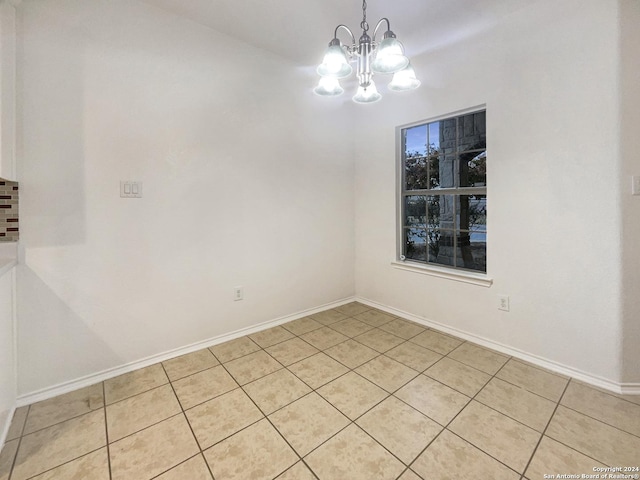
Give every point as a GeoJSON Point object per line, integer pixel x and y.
{"type": "Point", "coordinates": [375, 30]}
{"type": "Point", "coordinates": [353, 38]}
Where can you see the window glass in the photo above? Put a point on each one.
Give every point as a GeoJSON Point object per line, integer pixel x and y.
{"type": "Point", "coordinates": [444, 192]}
{"type": "Point", "coordinates": [415, 210]}
{"type": "Point", "coordinates": [446, 171]}
{"type": "Point", "coordinates": [472, 132]}
{"type": "Point", "coordinates": [472, 169]}
{"type": "Point", "coordinates": [416, 173]}
{"type": "Point", "coordinates": [415, 241]}
{"type": "Point", "coordinates": [416, 141]}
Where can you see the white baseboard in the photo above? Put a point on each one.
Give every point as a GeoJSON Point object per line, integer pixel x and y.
{"type": "Point", "coordinates": [66, 387]}
{"type": "Point", "coordinates": [630, 388]}
{"type": "Point", "coordinates": [614, 387]}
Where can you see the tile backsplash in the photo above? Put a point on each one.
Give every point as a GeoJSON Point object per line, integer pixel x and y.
{"type": "Point", "coordinates": [9, 230]}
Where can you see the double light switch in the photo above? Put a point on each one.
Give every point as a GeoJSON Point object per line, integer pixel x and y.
{"type": "Point", "coordinates": [129, 189]}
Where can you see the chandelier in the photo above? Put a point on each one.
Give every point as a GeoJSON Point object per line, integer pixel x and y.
{"type": "Point", "coordinates": [371, 57]}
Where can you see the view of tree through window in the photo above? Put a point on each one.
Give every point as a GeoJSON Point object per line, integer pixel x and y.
{"type": "Point", "coordinates": [444, 192]}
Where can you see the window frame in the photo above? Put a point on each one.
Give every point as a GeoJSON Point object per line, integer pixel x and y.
{"type": "Point", "coordinates": [451, 272]}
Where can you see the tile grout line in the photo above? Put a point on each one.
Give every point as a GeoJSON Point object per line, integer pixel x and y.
{"type": "Point", "coordinates": [388, 394]}
{"type": "Point", "coordinates": [525, 389]}
{"type": "Point", "coordinates": [494, 376]}
{"type": "Point", "coordinates": [66, 419]}
{"type": "Point", "coordinates": [577, 451]}
{"type": "Point", "coordinates": [446, 427]}
{"type": "Point", "coordinates": [64, 463]}
{"type": "Point", "coordinates": [207, 400]}
{"type": "Point", "coordinates": [184, 415]}
{"type": "Point", "coordinates": [600, 421]}
{"type": "Point", "coordinates": [537, 367]}
{"type": "Point", "coordinates": [241, 387]}
{"type": "Point", "coordinates": [544, 431]}
{"type": "Point", "coordinates": [106, 429]}
{"type": "Point", "coordinates": [617, 396]}
{"type": "Point", "coordinates": [351, 422]}
{"type": "Point", "coordinates": [15, 456]}
{"type": "Point", "coordinates": [348, 317]}
{"type": "Point", "coordinates": [145, 428]}
{"type": "Point", "coordinates": [266, 417]}
{"type": "Point", "coordinates": [314, 390]}
{"type": "Point", "coordinates": [22, 435]}
{"type": "Point", "coordinates": [178, 464]}
{"type": "Point", "coordinates": [580, 413]}
{"type": "Point", "coordinates": [567, 379]}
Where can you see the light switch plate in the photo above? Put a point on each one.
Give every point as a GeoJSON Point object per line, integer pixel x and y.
{"type": "Point", "coordinates": [130, 189]}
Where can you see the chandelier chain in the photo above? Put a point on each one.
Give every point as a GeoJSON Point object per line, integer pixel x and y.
{"type": "Point", "coordinates": [364, 25]}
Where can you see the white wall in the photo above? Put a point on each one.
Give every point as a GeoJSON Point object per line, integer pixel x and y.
{"type": "Point", "coordinates": [8, 381]}
{"type": "Point", "coordinates": [547, 76]}
{"type": "Point", "coordinates": [7, 89]}
{"type": "Point", "coordinates": [630, 153]}
{"type": "Point", "coordinates": [8, 251]}
{"type": "Point", "coordinates": [241, 187]}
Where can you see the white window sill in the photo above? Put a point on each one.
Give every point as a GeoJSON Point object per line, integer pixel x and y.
{"type": "Point", "coordinates": [449, 274]}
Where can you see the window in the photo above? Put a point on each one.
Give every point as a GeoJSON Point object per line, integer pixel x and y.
{"type": "Point", "coordinates": [443, 192]}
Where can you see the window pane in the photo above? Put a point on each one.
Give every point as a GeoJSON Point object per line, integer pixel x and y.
{"type": "Point", "coordinates": [472, 213]}
{"type": "Point", "coordinates": [472, 132]}
{"type": "Point", "coordinates": [446, 169]}
{"type": "Point", "coordinates": [440, 243]}
{"type": "Point", "coordinates": [478, 236]}
{"type": "Point", "coordinates": [415, 244]}
{"type": "Point", "coordinates": [416, 173]}
{"type": "Point", "coordinates": [415, 210]}
{"type": "Point", "coordinates": [447, 209]}
{"type": "Point", "coordinates": [447, 134]}
{"type": "Point", "coordinates": [471, 252]}
{"type": "Point", "coordinates": [433, 211]}
{"type": "Point", "coordinates": [415, 141]}
{"type": "Point", "coordinates": [434, 171]}
{"type": "Point", "coordinates": [473, 169]}
{"type": "Point", "coordinates": [434, 138]}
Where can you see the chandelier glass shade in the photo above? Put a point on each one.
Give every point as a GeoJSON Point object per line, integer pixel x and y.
{"type": "Point", "coordinates": [328, 87]}
{"type": "Point", "coordinates": [370, 57]}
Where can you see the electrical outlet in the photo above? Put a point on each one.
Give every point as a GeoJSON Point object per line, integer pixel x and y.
{"type": "Point", "coordinates": [503, 302]}
{"type": "Point", "coordinates": [238, 293]}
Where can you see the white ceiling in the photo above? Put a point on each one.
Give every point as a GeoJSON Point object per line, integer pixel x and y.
{"type": "Point", "coordinates": [299, 30]}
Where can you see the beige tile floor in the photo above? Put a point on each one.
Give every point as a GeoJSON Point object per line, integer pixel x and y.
{"type": "Point", "coordinates": [347, 394]}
